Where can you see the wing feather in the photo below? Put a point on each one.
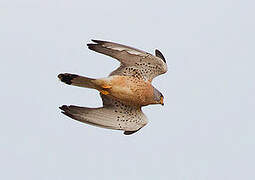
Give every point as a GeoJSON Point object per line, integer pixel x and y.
{"type": "Point", "coordinates": [134, 62]}
{"type": "Point", "coordinates": [113, 115]}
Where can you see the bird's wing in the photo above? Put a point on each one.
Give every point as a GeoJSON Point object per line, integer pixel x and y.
{"type": "Point", "coordinates": [113, 115]}
{"type": "Point", "coordinates": [134, 62]}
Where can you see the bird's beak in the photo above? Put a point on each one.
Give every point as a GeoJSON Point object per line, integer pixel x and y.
{"type": "Point", "coordinates": [162, 101]}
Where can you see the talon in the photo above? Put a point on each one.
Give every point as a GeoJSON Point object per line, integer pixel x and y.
{"type": "Point", "coordinates": [106, 86]}
{"type": "Point", "coordinates": [104, 92]}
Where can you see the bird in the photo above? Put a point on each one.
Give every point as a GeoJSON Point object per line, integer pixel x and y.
{"type": "Point", "coordinates": [123, 92]}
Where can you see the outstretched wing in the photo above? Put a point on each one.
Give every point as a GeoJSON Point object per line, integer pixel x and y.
{"type": "Point", "coordinates": [113, 115]}
{"type": "Point", "coordinates": [134, 62]}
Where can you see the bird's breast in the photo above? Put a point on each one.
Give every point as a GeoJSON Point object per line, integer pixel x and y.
{"type": "Point", "coordinates": [131, 89]}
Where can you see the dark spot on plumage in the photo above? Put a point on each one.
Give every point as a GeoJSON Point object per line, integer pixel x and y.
{"type": "Point", "coordinates": [67, 78]}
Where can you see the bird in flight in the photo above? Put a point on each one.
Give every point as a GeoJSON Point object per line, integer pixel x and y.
{"type": "Point", "coordinates": [123, 92]}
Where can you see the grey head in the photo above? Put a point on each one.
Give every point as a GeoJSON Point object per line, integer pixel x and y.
{"type": "Point", "coordinates": [158, 97]}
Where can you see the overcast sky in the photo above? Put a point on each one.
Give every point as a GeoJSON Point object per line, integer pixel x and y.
{"type": "Point", "coordinates": [205, 131]}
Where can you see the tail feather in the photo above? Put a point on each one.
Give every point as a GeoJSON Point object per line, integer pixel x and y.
{"type": "Point", "coordinates": [76, 80]}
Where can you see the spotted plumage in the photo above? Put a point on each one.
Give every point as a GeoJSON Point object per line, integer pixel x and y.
{"type": "Point", "coordinates": [123, 92]}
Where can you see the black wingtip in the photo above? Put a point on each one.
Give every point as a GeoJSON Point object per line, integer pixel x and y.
{"type": "Point", "coordinates": [94, 40]}
{"type": "Point", "coordinates": [91, 46]}
{"type": "Point", "coordinates": [63, 107]}
{"type": "Point", "coordinates": [66, 111]}
{"type": "Point", "coordinates": [97, 41]}
{"type": "Point", "coordinates": [128, 132]}
{"type": "Point", "coordinates": [67, 78]}
{"type": "Point", "coordinates": [160, 55]}
{"type": "Point", "coordinates": [131, 132]}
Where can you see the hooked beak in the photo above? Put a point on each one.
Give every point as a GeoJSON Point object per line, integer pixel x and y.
{"type": "Point", "coordinates": [162, 101]}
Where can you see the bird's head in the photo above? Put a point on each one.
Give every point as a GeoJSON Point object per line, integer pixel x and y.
{"type": "Point", "coordinates": [158, 97]}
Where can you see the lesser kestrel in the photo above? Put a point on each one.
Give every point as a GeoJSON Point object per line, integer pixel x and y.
{"type": "Point", "coordinates": [123, 92]}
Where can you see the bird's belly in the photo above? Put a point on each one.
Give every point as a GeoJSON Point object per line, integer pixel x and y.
{"type": "Point", "coordinates": [131, 90]}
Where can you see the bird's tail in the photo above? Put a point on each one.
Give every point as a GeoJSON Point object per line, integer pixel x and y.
{"type": "Point", "coordinates": [76, 80]}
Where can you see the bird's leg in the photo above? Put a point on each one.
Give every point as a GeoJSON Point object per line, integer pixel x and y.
{"type": "Point", "coordinates": [105, 87]}
{"type": "Point", "coordinates": [104, 92]}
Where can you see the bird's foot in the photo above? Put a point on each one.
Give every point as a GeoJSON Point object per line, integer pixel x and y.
{"type": "Point", "coordinates": [104, 92]}
{"type": "Point", "coordinates": [106, 86]}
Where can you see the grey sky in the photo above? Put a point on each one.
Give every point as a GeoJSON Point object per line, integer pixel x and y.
{"type": "Point", "coordinates": [204, 131]}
